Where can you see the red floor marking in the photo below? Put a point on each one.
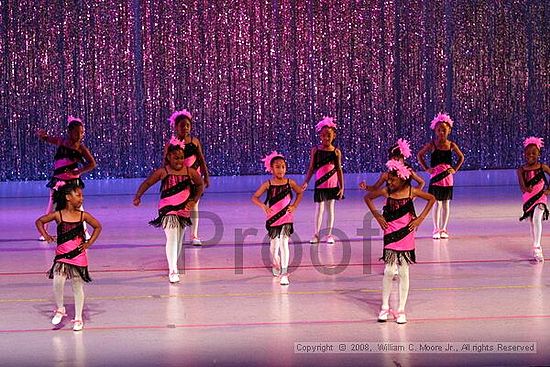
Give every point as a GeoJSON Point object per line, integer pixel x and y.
{"type": "Point", "coordinates": [279, 323]}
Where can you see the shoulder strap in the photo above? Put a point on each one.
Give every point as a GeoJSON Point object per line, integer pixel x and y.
{"type": "Point", "coordinates": [60, 216]}
{"type": "Point", "coordinates": [81, 215]}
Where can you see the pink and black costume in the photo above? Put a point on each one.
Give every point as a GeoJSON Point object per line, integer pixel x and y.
{"type": "Point", "coordinates": [326, 177]}
{"type": "Point", "coordinates": [69, 259]}
{"type": "Point", "coordinates": [536, 179]}
{"type": "Point", "coordinates": [190, 154]}
{"type": "Point", "coordinates": [278, 199]}
{"type": "Point", "coordinates": [66, 160]}
{"type": "Point", "coordinates": [174, 195]}
{"type": "Point", "coordinates": [398, 238]}
{"type": "Point", "coordinates": [441, 179]}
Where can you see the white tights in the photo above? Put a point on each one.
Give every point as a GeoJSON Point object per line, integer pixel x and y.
{"type": "Point", "coordinates": [174, 237]}
{"type": "Point", "coordinates": [195, 221]}
{"type": "Point", "coordinates": [536, 225]}
{"type": "Point", "coordinates": [280, 253]}
{"type": "Point", "coordinates": [319, 211]}
{"type": "Point", "coordinates": [78, 293]}
{"type": "Point", "coordinates": [389, 271]}
{"type": "Point", "coordinates": [441, 214]}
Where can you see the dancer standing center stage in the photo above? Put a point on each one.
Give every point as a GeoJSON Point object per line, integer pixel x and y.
{"type": "Point", "coordinates": [399, 222]}
{"type": "Point", "coordinates": [181, 187]}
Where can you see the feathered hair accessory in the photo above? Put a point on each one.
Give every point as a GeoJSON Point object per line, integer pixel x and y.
{"type": "Point", "coordinates": [268, 158]}
{"type": "Point", "coordinates": [441, 117]}
{"type": "Point", "coordinates": [177, 142]}
{"type": "Point", "coordinates": [404, 148]}
{"type": "Point", "coordinates": [177, 114]}
{"type": "Point", "coordinates": [71, 118]}
{"type": "Point", "coordinates": [533, 140]}
{"type": "Point", "coordinates": [400, 169]}
{"type": "Point", "coordinates": [326, 121]}
{"type": "Point", "coordinates": [58, 185]}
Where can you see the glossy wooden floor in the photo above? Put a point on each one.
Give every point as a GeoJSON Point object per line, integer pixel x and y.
{"type": "Point", "coordinates": [477, 287]}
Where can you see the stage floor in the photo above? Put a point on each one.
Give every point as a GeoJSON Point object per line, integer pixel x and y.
{"type": "Point", "coordinates": [478, 288]}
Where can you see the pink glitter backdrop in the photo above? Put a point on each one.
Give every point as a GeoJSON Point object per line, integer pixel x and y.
{"type": "Point", "coordinates": [258, 75]}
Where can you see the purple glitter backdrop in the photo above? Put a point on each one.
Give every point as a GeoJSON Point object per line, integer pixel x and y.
{"type": "Point", "coordinates": [257, 75]}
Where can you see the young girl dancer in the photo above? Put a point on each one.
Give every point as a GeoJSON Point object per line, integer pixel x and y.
{"type": "Point", "coordinates": [399, 222]}
{"type": "Point", "coordinates": [181, 122]}
{"type": "Point", "coordinates": [70, 260]}
{"type": "Point", "coordinates": [441, 171]}
{"type": "Point", "coordinates": [325, 161]}
{"type": "Point", "coordinates": [400, 152]}
{"type": "Point", "coordinates": [279, 209]}
{"type": "Point", "coordinates": [534, 186]}
{"type": "Point", "coordinates": [70, 153]}
{"type": "Point", "coordinates": [181, 187]}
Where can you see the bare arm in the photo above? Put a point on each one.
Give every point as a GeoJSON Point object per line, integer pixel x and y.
{"type": "Point", "coordinates": [88, 218]}
{"type": "Point", "coordinates": [418, 179]}
{"type": "Point", "coordinates": [522, 186]}
{"type": "Point", "coordinates": [546, 170]}
{"type": "Point", "coordinates": [155, 177]}
{"type": "Point", "coordinates": [460, 156]}
{"type": "Point", "coordinates": [426, 196]}
{"type": "Point", "coordinates": [381, 179]}
{"type": "Point", "coordinates": [256, 197]}
{"type": "Point", "coordinates": [430, 202]}
{"type": "Point", "coordinates": [202, 164]}
{"type": "Point", "coordinates": [339, 172]}
{"type": "Point", "coordinates": [165, 152]}
{"type": "Point", "coordinates": [90, 161]}
{"type": "Point", "coordinates": [369, 201]}
{"type": "Point", "coordinates": [47, 218]}
{"type": "Point", "coordinates": [199, 187]}
{"type": "Point", "coordinates": [299, 195]}
{"type": "Point", "coordinates": [421, 154]}
{"type": "Point", "coordinates": [310, 168]}
{"type": "Point", "coordinates": [43, 135]}
{"type": "Point", "coordinates": [378, 184]}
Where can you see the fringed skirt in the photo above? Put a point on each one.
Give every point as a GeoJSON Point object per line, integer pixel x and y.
{"type": "Point", "coordinates": [320, 195]}
{"type": "Point", "coordinates": [441, 193]}
{"type": "Point", "coordinates": [529, 213]}
{"type": "Point", "coordinates": [279, 231]}
{"type": "Point", "coordinates": [76, 181]}
{"type": "Point", "coordinates": [392, 256]}
{"type": "Point", "coordinates": [69, 271]}
{"type": "Point", "coordinates": [171, 221]}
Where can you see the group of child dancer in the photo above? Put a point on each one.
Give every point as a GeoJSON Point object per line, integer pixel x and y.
{"type": "Point", "coordinates": [184, 175]}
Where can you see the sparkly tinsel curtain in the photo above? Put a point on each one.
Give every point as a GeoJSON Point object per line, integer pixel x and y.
{"type": "Point", "coordinates": [258, 74]}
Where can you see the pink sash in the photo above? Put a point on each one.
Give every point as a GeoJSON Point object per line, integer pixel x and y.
{"type": "Point", "coordinates": [439, 169]}
{"type": "Point", "coordinates": [406, 243]}
{"type": "Point", "coordinates": [178, 198]}
{"type": "Point", "coordinates": [537, 188]}
{"type": "Point", "coordinates": [332, 182]}
{"type": "Point", "coordinates": [278, 207]}
{"type": "Point", "coordinates": [80, 260]}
